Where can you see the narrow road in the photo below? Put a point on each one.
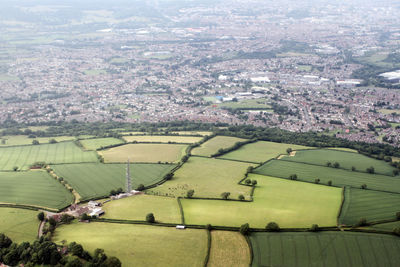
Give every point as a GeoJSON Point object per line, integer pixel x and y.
{"type": "Point", "coordinates": [40, 231]}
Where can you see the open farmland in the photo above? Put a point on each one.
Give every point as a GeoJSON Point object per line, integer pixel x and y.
{"type": "Point", "coordinates": [368, 204]}
{"type": "Point", "coordinates": [144, 153]}
{"type": "Point", "coordinates": [34, 188]}
{"type": "Point", "coordinates": [165, 209]}
{"type": "Point", "coordinates": [96, 143]}
{"type": "Point", "coordinates": [346, 160]}
{"type": "Point", "coordinates": [92, 180]}
{"type": "Point", "coordinates": [207, 177]}
{"type": "Point", "coordinates": [20, 225]}
{"type": "Point", "coordinates": [214, 144]}
{"type": "Point", "coordinates": [139, 245]}
{"type": "Point", "coordinates": [24, 156]}
{"type": "Point", "coordinates": [260, 151]}
{"type": "Point", "coordinates": [386, 226]}
{"type": "Point", "coordinates": [228, 249]}
{"type": "Point", "coordinates": [290, 204]}
{"type": "Point", "coordinates": [18, 140]}
{"type": "Point", "coordinates": [203, 133]}
{"type": "Point", "coordinates": [325, 249]}
{"type": "Point", "coordinates": [339, 177]}
{"type": "Point", "coordinates": [162, 139]}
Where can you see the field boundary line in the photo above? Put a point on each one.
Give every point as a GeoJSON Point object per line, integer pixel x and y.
{"type": "Point", "coordinates": [343, 208]}
{"type": "Point", "coordinates": [209, 240]}
{"type": "Point", "coordinates": [181, 210]}
{"type": "Point", "coordinates": [250, 247]}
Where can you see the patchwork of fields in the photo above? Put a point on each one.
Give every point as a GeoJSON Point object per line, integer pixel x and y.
{"type": "Point", "coordinates": [93, 180]}
{"type": "Point", "coordinates": [325, 249]}
{"type": "Point", "coordinates": [214, 144]}
{"type": "Point", "coordinates": [24, 156]}
{"type": "Point", "coordinates": [339, 177]}
{"type": "Point", "coordinates": [34, 188]}
{"type": "Point", "coordinates": [18, 140]}
{"type": "Point", "coordinates": [163, 139]}
{"type": "Point", "coordinates": [96, 143]}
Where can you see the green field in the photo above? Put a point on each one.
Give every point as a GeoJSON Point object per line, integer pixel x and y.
{"type": "Point", "coordinates": [372, 205]}
{"type": "Point", "coordinates": [165, 209]}
{"type": "Point", "coordinates": [24, 156]}
{"type": "Point", "coordinates": [96, 143]}
{"type": "Point", "coordinates": [389, 111]}
{"type": "Point", "coordinates": [93, 180]}
{"type": "Point", "coordinates": [260, 151]}
{"type": "Point", "coordinates": [325, 249]}
{"type": "Point", "coordinates": [19, 224]}
{"type": "Point", "coordinates": [34, 188]}
{"type": "Point", "coordinates": [139, 245]}
{"type": "Point", "coordinates": [290, 204]}
{"type": "Point", "coordinates": [386, 226]}
{"type": "Point", "coordinates": [207, 177]}
{"type": "Point", "coordinates": [144, 153]}
{"type": "Point", "coordinates": [247, 104]}
{"type": "Point", "coordinates": [94, 72]}
{"type": "Point", "coordinates": [163, 139]}
{"type": "Point", "coordinates": [214, 144]}
{"type": "Point", "coordinates": [17, 140]}
{"type": "Point", "coordinates": [228, 249]}
{"type": "Point", "coordinates": [339, 177]}
{"type": "Point", "coordinates": [346, 160]}
{"type": "Point", "coordinates": [203, 133]}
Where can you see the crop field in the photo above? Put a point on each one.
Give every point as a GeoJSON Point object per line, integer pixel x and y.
{"type": "Point", "coordinates": [96, 143]}
{"type": "Point", "coordinates": [139, 245]}
{"type": "Point", "coordinates": [247, 104]}
{"type": "Point", "coordinates": [144, 153]}
{"type": "Point", "coordinates": [203, 133]}
{"type": "Point", "coordinates": [325, 249]}
{"type": "Point", "coordinates": [372, 205]}
{"type": "Point", "coordinates": [165, 209]}
{"type": "Point", "coordinates": [346, 160]}
{"type": "Point", "coordinates": [24, 156]}
{"type": "Point", "coordinates": [34, 188]}
{"type": "Point", "coordinates": [290, 204]}
{"type": "Point", "coordinates": [92, 180]}
{"type": "Point", "coordinates": [260, 151]}
{"type": "Point", "coordinates": [339, 177]}
{"type": "Point", "coordinates": [19, 224]}
{"type": "Point", "coordinates": [228, 249]}
{"type": "Point", "coordinates": [214, 144]}
{"type": "Point", "coordinates": [386, 226]}
{"type": "Point", "coordinates": [207, 177]}
{"type": "Point", "coordinates": [162, 139]}
{"type": "Point", "coordinates": [17, 140]}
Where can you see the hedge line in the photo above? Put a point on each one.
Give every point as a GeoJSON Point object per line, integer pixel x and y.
{"type": "Point", "coordinates": [207, 258]}
{"type": "Point", "coordinates": [181, 210]}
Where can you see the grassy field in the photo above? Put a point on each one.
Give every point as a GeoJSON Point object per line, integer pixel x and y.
{"type": "Point", "coordinates": [290, 204]}
{"type": "Point", "coordinates": [94, 72]}
{"type": "Point", "coordinates": [386, 226]}
{"type": "Point", "coordinates": [144, 153]}
{"type": "Point", "coordinates": [96, 143]}
{"type": "Point", "coordinates": [203, 133]}
{"type": "Point", "coordinates": [17, 140]}
{"type": "Point", "coordinates": [247, 104]}
{"type": "Point", "coordinates": [389, 111]}
{"type": "Point", "coordinates": [325, 249]}
{"type": "Point", "coordinates": [139, 245]}
{"type": "Point", "coordinates": [260, 151]}
{"type": "Point", "coordinates": [163, 139]}
{"type": "Point", "coordinates": [92, 180]}
{"type": "Point", "coordinates": [207, 177]}
{"type": "Point", "coordinates": [35, 188]}
{"type": "Point", "coordinates": [24, 156]}
{"type": "Point", "coordinates": [372, 205]}
{"type": "Point", "coordinates": [339, 177]}
{"type": "Point", "coordinates": [165, 209]}
{"type": "Point", "coordinates": [346, 160]}
{"type": "Point", "coordinates": [228, 249]}
{"type": "Point", "coordinates": [214, 144]}
{"type": "Point", "coordinates": [19, 224]}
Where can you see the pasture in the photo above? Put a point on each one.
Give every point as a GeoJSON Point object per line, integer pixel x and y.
{"type": "Point", "coordinates": [347, 160]}
{"type": "Point", "coordinates": [203, 133]}
{"type": "Point", "coordinates": [386, 226]}
{"type": "Point", "coordinates": [245, 104]}
{"type": "Point", "coordinates": [325, 249]}
{"type": "Point", "coordinates": [339, 177]}
{"type": "Point", "coordinates": [24, 156]}
{"type": "Point", "coordinates": [260, 151]}
{"type": "Point", "coordinates": [144, 153]}
{"type": "Point", "coordinates": [163, 139]}
{"type": "Point", "coordinates": [20, 225]}
{"type": "Point", "coordinates": [372, 205]}
{"type": "Point", "coordinates": [290, 204]}
{"type": "Point", "coordinates": [92, 180]}
{"type": "Point", "coordinates": [97, 143]}
{"type": "Point", "coordinates": [228, 249]}
{"type": "Point", "coordinates": [139, 245]}
{"type": "Point", "coordinates": [18, 140]}
{"type": "Point", "coordinates": [33, 188]}
{"type": "Point", "coordinates": [207, 177]}
{"type": "Point", "coordinates": [165, 209]}
{"type": "Point", "coordinates": [214, 144]}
